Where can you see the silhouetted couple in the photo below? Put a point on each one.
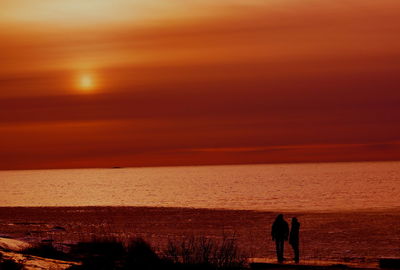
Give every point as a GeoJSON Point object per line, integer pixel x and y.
{"type": "Point", "coordinates": [280, 234]}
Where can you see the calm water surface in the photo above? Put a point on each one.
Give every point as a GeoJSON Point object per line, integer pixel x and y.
{"type": "Point", "coordinates": [326, 197]}
{"type": "Point", "coordinates": [288, 187]}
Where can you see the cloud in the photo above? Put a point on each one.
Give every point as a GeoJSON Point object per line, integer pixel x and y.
{"type": "Point", "coordinates": [238, 82]}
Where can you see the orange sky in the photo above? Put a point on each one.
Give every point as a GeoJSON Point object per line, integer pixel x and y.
{"type": "Point", "coordinates": [147, 83]}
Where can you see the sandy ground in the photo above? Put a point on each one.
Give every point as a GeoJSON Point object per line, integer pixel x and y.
{"type": "Point", "coordinates": [350, 237]}
{"type": "Point", "coordinates": [10, 249]}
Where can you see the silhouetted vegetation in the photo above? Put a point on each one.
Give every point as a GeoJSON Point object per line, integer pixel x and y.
{"type": "Point", "coordinates": [99, 254]}
{"type": "Point", "coordinates": [189, 254]}
{"type": "Point", "coordinates": [140, 255]}
{"type": "Point", "coordinates": [222, 254]}
{"type": "Point", "coordinates": [105, 254]}
{"type": "Point", "coordinates": [193, 253]}
{"type": "Point", "coordinates": [46, 250]}
{"type": "Point", "coordinates": [9, 264]}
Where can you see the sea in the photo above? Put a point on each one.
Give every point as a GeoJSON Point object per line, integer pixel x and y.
{"type": "Point", "coordinates": [348, 211]}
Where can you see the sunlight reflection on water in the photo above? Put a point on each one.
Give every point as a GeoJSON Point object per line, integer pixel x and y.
{"type": "Point", "coordinates": [296, 187]}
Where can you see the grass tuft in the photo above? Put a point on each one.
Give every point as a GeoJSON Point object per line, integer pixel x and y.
{"type": "Point", "coordinates": [194, 253]}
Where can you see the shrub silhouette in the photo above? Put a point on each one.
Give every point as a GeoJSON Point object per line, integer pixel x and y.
{"type": "Point", "coordinates": [101, 254]}
{"type": "Point", "coordinates": [208, 253]}
{"type": "Point", "coordinates": [189, 254]}
{"type": "Point", "coordinates": [140, 255]}
{"type": "Point", "coordinates": [46, 250]}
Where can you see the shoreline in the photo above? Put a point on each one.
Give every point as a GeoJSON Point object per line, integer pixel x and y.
{"type": "Point", "coordinates": [16, 250]}
{"type": "Point", "coordinates": [339, 236]}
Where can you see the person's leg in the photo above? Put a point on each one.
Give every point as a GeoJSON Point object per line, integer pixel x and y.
{"type": "Point", "coordinates": [279, 250]}
{"type": "Point", "coordinates": [296, 252]}
{"type": "Point", "coordinates": [277, 246]}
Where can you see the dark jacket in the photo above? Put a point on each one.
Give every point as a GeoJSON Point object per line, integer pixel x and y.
{"type": "Point", "coordinates": [280, 229]}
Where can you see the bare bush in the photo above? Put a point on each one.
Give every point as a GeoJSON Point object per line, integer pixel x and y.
{"type": "Point", "coordinates": [206, 251]}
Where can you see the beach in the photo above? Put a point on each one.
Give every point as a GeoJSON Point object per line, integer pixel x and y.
{"type": "Point", "coordinates": [358, 237]}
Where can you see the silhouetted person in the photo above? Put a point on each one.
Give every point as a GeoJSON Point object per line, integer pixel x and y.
{"type": "Point", "coordinates": [294, 238]}
{"type": "Point", "coordinates": [280, 233]}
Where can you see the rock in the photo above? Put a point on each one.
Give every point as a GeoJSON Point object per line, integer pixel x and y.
{"type": "Point", "coordinates": [9, 244]}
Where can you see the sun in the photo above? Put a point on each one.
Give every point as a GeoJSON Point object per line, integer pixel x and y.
{"type": "Point", "coordinates": [86, 82]}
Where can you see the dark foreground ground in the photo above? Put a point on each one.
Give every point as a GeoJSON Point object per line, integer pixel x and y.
{"type": "Point", "coordinates": [361, 237]}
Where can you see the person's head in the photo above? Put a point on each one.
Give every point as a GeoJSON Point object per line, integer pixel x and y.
{"type": "Point", "coordinates": [294, 220]}
{"type": "Point", "coordinates": [279, 217]}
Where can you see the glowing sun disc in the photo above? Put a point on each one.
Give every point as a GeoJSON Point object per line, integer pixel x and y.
{"type": "Point", "coordinates": [86, 82]}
